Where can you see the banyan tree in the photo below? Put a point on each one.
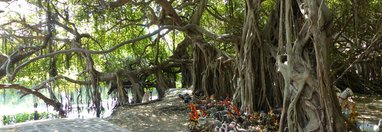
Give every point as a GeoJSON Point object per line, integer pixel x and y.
{"type": "Point", "coordinates": [263, 54]}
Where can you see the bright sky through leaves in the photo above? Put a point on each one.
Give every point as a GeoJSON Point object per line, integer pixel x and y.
{"type": "Point", "coordinates": [11, 8]}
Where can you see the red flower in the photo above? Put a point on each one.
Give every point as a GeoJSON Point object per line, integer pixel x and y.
{"type": "Point", "coordinates": [236, 110]}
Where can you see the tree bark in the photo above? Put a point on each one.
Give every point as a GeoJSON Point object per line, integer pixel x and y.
{"type": "Point", "coordinates": [162, 85]}
{"type": "Point", "coordinates": [310, 103]}
{"type": "Point", "coordinates": [254, 60]}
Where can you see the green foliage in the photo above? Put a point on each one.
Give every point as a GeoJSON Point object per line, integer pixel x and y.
{"type": "Point", "coordinates": [23, 117]}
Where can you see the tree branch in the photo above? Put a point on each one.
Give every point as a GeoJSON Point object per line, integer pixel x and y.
{"type": "Point", "coordinates": [170, 12]}
{"type": "Point", "coordinates": [57, 105]}
{"type": "Point", "coordinates": [169, 27]}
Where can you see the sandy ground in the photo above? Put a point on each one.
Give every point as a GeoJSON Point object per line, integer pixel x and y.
{"type": "Point", "coordinates": [168, 114]}
{"type": "Point", "coordinates": [64, 125]}
{"type": "Point", "coordinates": [369, 108]}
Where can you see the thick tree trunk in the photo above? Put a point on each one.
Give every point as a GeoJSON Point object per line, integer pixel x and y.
{"type": "Point", "coordinates": [213, 71]}
{"type": "Point", "coordinates": [198, 67]}
{"type": "Point", "coordinates": [203, 57]}
{"type": "Point", "coordinates": [186, 75]}
{"type": "Point", "coordinates": [186, 69]}
{"type": "Point", "coordinates": [309, 100]}
{"type": "Point", "coordinates": [162, 85]}
{"type": "Point", "coordinates": [137, 90]}
{"type": "Point", "coordinates": [333, 120]}
{"type": "Point", "coordinates": [122, 94]}
{"type": "Point", "coordinates": [254, 65]}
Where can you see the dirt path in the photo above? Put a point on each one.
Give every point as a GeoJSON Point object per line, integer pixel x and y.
{"type": "Point", "coordinates": [64, 125]}
{"type": "Point", "coordinates": [369, 108]}
{"type": "Point", "coordinates": [169, 114]}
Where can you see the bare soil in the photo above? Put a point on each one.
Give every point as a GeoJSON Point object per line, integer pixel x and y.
{"type": "Point", "coordinates": [369, 107]}
{"type": "Point", "coordinates": [171, 114]}
{"type": "Point", "coordinates": [168, 114]}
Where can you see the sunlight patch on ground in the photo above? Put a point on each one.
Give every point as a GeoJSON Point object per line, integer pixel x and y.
{"type": "Point", "coordinates": [369, 107]}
